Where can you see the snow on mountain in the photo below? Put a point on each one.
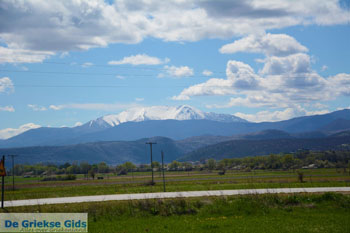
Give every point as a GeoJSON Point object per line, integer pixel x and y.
{"type": "Point", "coordinates": [183, 112]}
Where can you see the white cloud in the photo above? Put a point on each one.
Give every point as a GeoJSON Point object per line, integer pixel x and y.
{"type": "Point", "coordinates": [7, 108]}
{"type": "Point", "coordinates": [10, 132]}
{"type": "Point", "coordinates": [285, 114]}
{"type": "Point", "coordinates": [324, 68]}
{"type": "Point", "coordinates": [240, 76]}
{"type": "Point", "coordinates": [78, 123]}
{"type": "Point", "coordinates": [139, 99]}
{"type": "Point", "coordinates": [56, 107]}
{"type": "Point", "coordinates": [268, 44]}
{"type": "Point", "coordinates": [340, 84]}
{"type": "Point", "coordinates": [6, 85]}
{"type": "Point", "coordinates": [263, 116]}
{"type": "Point", "coordinates": [92, 106]}
{"type": "Point", "coordinates": [64, 54]}
{"type": "Point", "coordinates": [177, 71]}
{"type": "Point", "coordinates": [295, 63]}
{"type": "Point", "coordinates": [140, 59]}
{"type": "Point", "coordinates": [17, 55]}
{"type": "Point", "coordinates": [35, 107]}
{"type": "Point", "coordinates": [87, 64]}
{"type": "Point", "coordinates": [284, 82]}
{"type": "Point", "coordinates": [36, 29]}
{"type": "Point", "coordinates": [207, 73]}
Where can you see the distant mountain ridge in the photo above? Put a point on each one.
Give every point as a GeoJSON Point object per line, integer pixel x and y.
{"type": "Point", "coordinates": [224, 125]}
{"type": "Point", "coordinates": [243, 147]}
{"type": "Point", "coordinates": [189, 149]}
{"type": "Point", "coordinates": [182, 112]}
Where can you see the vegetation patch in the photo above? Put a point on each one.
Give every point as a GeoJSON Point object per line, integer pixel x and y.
{"type": "Point", "coordinates": [328, 212]}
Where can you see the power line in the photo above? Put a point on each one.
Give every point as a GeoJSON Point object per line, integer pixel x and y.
{"type": "Point", "coordinates": [107, 86]}
{"type": "Point", "coordinates": [94, 74]}
{"type": "Point", "coordinates": [114, 66]}
{"type": "Point", "coordinates": [73, 73]}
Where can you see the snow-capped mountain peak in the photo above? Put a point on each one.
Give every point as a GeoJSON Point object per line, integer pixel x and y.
{"type": "Point", "coordinates": [182, 112]}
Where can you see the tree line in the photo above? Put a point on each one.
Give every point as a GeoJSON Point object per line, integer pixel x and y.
{"type": "Point", "coordinates": [298, 160]}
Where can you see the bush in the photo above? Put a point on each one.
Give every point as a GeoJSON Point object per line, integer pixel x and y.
{"type": "Point", "coordinates": [60, 178]}
{"type": "Point", "coordinates": [301, 177]}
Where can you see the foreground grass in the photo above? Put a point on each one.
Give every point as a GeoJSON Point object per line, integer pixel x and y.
{"type": "Point", "coordinates": [86, 190]}
{"type": "Point", "coordinates": [176, 181]}
{"type": "Point", "coordinates": [329, 212]}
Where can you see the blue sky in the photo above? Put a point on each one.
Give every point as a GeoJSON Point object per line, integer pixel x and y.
{"type": "Point", "coordinates": [63, 63]}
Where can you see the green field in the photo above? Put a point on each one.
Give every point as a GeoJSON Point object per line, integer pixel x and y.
{"type": "Point", "coordinates": [327, 212]}
{"type": "Point", "coordinates": [29, 188]}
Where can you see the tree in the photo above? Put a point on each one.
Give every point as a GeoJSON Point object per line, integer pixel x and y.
{"type": "Point", "coordinates": [91, 174]}
{"type": "Point", "coordinates": [84, 168]}
{"type": "Point", "coordinates": [288, 161]}
{"type": "Point", "coordinates": [102, 167]}
{"type": "Point", "coordinates": [156, 164]}
{"type": "Point", "coordinates": [129, 166]}
{"type": "Point", "coordinates": [174, 165]}
{"type": "Point", "coordinates": [188, 166]}
{"type": "Point", "coordinates": [211, 163]}
{"type": "Point", "coordinates": [221, 166]}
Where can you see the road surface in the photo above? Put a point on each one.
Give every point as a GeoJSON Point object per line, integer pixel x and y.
{"type": "Point", "coordinates": [139, 196]}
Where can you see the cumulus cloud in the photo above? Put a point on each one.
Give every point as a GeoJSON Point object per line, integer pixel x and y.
{"type": "Point", "coordinates": [7, 108]}
{"type": "Point", "coordinates": [35, 107]}
{"type": "Point", "coordinates": [340, 84]}
{"type": "Point", "coordinates": [140, 59]}
{"type": "Point", "coordinates": [33, 30]}
{"type": "Point", "coordinates": [295, 63]}
{"type": "Point", "coordinates": [278, 89]}
{"type": "Point", "coordinates": [17, 55]}
{"type": "Point", "coordinates": [286, 81]}
{"type": "Point", "coordinates": [11, 132]}
{"type": "Point", "coordinates": [177, 71]}
{"type": "Point", "coordinates": [268, 44]}
{"type": "Point", "coordinates": [6, 85]}
{"type": "Point", "coordinates": [92, 106]}
{"type": "Point", "coordinates": [240, 76]}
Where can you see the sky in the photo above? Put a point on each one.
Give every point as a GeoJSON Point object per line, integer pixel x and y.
{"type": "Point", "coordinates": [63, 63]}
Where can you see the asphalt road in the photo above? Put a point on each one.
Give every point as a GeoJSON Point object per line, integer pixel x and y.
{"type": "Point", "coordinates": [139, 196]}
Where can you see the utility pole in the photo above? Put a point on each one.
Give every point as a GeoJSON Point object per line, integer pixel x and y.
{"type": "Point", "coordinates": [3, 174]}
{"type": "Point", "coordinates": [163, 171]}
{"type": "Point", "coordinates": [150, 144]}
{"type": "Point", "coordinates": [13, 171]}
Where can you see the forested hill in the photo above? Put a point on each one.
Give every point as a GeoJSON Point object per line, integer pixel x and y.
{"type": "Point", "coordinates": [242, 148]}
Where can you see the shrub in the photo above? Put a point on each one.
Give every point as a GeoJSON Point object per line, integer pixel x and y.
{"type": "Point", "coordinates": [301, 177]}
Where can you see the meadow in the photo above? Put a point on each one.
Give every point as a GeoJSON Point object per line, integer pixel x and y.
{"type": "Point", "coordinates": [328, 212]}
{"type": "Point", "coordinates": [139, 182]}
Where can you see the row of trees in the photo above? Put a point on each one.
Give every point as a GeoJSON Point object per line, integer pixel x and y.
{"type": "Point", "coordinates": [327, 159]}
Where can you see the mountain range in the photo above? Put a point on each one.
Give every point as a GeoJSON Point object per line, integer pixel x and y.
{"type": "Point", "coordinates": [182, 131]}
{"type": "Point", "coordinates": [176, 123]}
{"type": "Point", "coordinates": [189, 149]}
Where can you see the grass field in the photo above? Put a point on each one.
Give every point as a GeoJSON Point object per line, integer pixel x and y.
{"type": "Point", "coordinates": [327, 212]}
{"type": "Point", "coordinates": [29, 188]}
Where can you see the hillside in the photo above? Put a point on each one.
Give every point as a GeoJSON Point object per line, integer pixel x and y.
{"type": "Point", "coordinates": [111, 152]}
{"type": "Point", "coordinates": [242, 148]}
